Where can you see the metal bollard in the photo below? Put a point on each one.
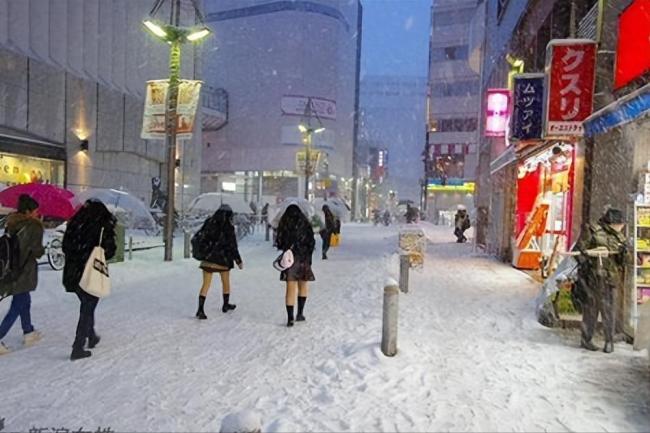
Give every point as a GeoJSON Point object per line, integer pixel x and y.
{"type": "Point", "coordinates": [268, 230]}
{"type": "Point", "coordinates": [404, 266]}
{"type": "Point", "coordinates": [187, 244]}
{"type": "Point", "coordinates": [130, 247]}
{"type": "Point", "coordinates": [389, 329]}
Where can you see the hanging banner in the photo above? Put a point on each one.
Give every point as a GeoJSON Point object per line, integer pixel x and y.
{"type": "Point", "coordinates": [528, 107]}
{"type": "Point", "coordinates": [295, 105]}
{"type": "Point", "coordinates": [498, 112]}
{"type": "Point", "coordinates": [153, 121]}
{"type": "Point", "coordinates": [570, 66]}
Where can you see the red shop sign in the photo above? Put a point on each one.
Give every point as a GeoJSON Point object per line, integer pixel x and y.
{"type": "Point", "coordinates": [570, 67]}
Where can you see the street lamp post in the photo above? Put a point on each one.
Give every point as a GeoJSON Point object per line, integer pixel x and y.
{"type": "Point", "coordinates": [175, 36]}
{"type": "Point", "coordinates": [307, 133]}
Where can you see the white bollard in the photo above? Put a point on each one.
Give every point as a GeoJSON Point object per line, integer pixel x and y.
{"type": "Point", "coordinates": [389, 329]}
{"type": "Point", "coordinates": [241, 422]}
{"type": "Point", "coordinates": [404, 266]}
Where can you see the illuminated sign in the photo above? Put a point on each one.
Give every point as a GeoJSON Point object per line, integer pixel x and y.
{"type": "Point", "coordinates": [467, 187]}
{"type": "Point", "coordinates": [633, 51]}
{"type": "Point", "coordinates": [498, 102]}
{"type": "Point", "coordinates": [528, 107]}
{"type": "Point", "coordinates": [571, 67]}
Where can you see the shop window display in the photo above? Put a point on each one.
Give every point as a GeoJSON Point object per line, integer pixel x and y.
{"type": "Point", "coordinates": [20, 169]}
{"type": "Point", "coordinates": [543, 212]}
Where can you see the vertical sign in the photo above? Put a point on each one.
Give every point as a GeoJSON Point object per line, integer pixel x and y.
{"type": "Point", "coordinates": [570, 66]}
{"type": "Point", "coordinates": [528, 107]}
{"type": "Point", "coordinates": [498, 106]}
{"type": "Point", "coordinates": [153, 121]}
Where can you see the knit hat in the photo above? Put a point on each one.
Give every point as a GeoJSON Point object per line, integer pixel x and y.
{"type": "Point", "coordinates": [613, 216]}
{"type": "Point", "coordinates": [26, 203]}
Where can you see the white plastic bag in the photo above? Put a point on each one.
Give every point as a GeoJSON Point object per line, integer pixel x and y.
{"type": "Point", "coordinates": [95, 279]}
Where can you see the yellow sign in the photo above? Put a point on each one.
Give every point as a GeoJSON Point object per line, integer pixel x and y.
{"type": "Point", "coordinates": [153, 122]}
{"type": "Point", "coordinates": [314, 159]}
{"type": "Point", "coordinates": [469, 187]}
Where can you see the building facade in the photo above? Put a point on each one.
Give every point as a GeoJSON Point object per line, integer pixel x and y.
{"type": "Point", "coordinates": [393, 108]}
{"type": "Point", "coordinates": [451, 151]}
{"type": "Point", "coordinates": [273, 58]}
{"type": "Point", "coordinates": [75, 71]}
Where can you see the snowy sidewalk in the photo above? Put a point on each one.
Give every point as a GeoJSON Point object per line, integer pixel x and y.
{"type": "Point", "coordinates": [471, 355]}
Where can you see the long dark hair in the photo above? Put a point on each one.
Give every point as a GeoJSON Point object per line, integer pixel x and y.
{"type": "Point", "coordinates": [221, 220]}
{"type": "Point", "coordinates": [293, 218]}
{"type": "Point", "coordinates": [93, 211]}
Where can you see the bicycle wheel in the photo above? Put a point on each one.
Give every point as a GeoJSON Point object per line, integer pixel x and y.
{"type": "Point", "coordinates": [55, 256]}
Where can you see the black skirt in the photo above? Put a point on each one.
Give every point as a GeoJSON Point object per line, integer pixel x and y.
{"type": "Point", "coordinates": [300, 271]}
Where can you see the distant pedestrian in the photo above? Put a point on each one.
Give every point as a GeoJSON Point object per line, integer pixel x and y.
{"type": "Point", "coordinates": [600, 278]}
{"type": "Point", "coordinates": [411, 214]}
{"type": "Point", "coordinates": [265, 214]}
{"type": "Point", "coordinates": [215, 244]}
{"type": "Point", "coordinates": [91, 222]}
{"type": "Point", "coordinates": [461, 223]}
{"type": "Point", "coordinates": [25, 226]}
{"type": "Point", "coordinates": [295, 233]}
{"type": "Point", "coordinates": [328, 230]}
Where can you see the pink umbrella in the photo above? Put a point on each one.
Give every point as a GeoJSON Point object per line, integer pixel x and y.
{"type": "Point", "coordinates": [53, 201]}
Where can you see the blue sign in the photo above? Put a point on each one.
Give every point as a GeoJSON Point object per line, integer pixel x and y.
{"type": "Point", "coordinates": [528, 107]}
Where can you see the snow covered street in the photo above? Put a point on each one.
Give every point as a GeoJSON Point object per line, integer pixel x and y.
{"type": "Point", "coordinates": [471, 355]}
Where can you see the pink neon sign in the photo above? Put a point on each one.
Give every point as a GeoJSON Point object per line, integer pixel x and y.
{"type": "Point", "coordinates": [498, 112]}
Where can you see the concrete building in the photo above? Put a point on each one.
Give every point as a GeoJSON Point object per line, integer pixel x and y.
{"type": "Point", "coordinates": [453, 109]}
{"type": "Point", "coordinates": [272, 57]}
{"type": "Point", "coordinates": [73, 70]}
{"type": "Point", "coordinates": [394, 108]}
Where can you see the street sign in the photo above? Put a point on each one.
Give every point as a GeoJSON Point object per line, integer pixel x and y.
{"type": "Point", "coordinates": [314, 159]}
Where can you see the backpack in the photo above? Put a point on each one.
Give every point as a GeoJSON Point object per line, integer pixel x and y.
{"type": "Point", "coordinates": [9, 262]}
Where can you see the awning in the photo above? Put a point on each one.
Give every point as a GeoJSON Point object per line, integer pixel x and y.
{"type": "Point", "coordinates": [502, 161]}
{"type": "Point", "coordinates": [624, 110]}
{"type": "Point", "coordinates": [22, 142]}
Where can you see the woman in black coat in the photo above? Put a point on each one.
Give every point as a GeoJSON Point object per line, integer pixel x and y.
{"type": "Point", "coordinates": [328, 230]}
{"type": "Point", "coordinates": [216, 247]}
{"type": "Point", "coordinates": [295, 233]}
{"type": "Point", "coordinates": [81, 237]}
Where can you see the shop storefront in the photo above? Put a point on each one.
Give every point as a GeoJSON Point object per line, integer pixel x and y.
{"type": "Point", "coordinates": [25, 158]}
{"type": "Point", "coordinates": [544, 206]}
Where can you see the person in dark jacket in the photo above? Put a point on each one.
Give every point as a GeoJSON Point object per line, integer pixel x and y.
{"type": "Point", "coordinates": [27, 227]}
{"type": "Point", "coordinates": [600, 278]}
{"type": "Point", "coordinates": [295, 233]}
{"type": "Point", "coordinates": [461, 223]}
{"type": "Point", "coordinates": [327, 231]}
{"type": "Point", "coordinates": [82, 235]}
{"type": "Point", "coordinates": [220, 253]}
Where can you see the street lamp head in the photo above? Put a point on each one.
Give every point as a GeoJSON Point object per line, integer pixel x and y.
{"type": "Point", "coordinates": [319, 130]}
{"type": "Point", "coordinates": [197, 35]}
{"type": "Point", "coordinates": [302, 128]}
{"type": "Point", "coordinates": [155, 28]}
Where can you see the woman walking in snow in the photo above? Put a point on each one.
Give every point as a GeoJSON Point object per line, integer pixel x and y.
{"type": "Point", "coordinates": [327, 231]}
{"type": "Point", "coordinates": [216, 246]}
{"type": "Point", "coordinates": [295, 233]}
{"type": "Point", "coordinates": [26, 226]}
{"type": "Point", "coordinates": [82, 235]}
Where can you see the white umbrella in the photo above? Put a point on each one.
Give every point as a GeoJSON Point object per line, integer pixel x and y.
{"type": "Point", "coordinates": [210, 202]}
{"type": "Point", "coordinates": [128, 209]}
{"type": "Point", "coordinates": [304, 205]}
{"type": "Point", "coordinates": [336, 207]}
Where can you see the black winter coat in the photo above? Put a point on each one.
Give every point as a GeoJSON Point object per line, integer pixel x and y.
{"type": "Point", "coordinates": [78, 243]}
{"type": "Point", "coordinates": [220, 242]}
{"type": "Point", "coordinates": [298, 236]}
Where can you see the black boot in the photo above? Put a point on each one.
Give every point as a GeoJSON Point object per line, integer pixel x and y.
{"type": "Point", "coordinates": [200, 314]}
{"type": "Point", "coordinates": [588, 345]}
{"type": "Point", "coordinates": [79, 354]}
{"type": "Point", "coordinates": [226, 305]}
{"type": "Point", "coordinates": [93, 341]}
{"type": "Point", "coordinates": [609, 347]}
{"type": "Point", "coordinates": [289, 315]}
{"type": "Point", "coordinates": [301, 307]}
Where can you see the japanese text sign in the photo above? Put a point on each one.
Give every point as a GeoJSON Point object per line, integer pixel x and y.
{"type": "Point", "coordinates": [153, 122]}
{"type": "Point", "coordinates": [528, 107]}
{"type": "Point", "coordinates": [498, 112]}
{"type": "Point", "coordinates": [570, 66]}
